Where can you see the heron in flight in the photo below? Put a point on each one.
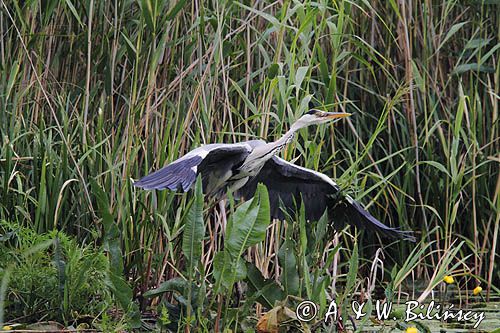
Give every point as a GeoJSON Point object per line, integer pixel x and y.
{"type": "Point", "coordinates": [239, 167]}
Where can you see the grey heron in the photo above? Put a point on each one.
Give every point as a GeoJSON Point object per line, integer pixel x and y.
{"type": "Point", "coordinates": [239, 167]}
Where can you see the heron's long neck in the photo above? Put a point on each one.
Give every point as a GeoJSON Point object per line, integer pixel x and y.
{"type": "Point", "coordinates": [254, 162]}
{"type": "Point", "coordinates": [285, 139]}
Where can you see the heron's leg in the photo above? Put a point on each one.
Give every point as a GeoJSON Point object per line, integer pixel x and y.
{"type": "Point", "coordinates": [223, 215]}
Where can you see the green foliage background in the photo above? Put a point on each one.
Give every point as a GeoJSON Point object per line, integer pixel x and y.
{"type": "Point", "coordinates": [94, 94]}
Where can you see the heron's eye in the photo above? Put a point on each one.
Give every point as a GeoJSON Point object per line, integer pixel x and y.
{"type": "Point", "coordinates": [312, 112]}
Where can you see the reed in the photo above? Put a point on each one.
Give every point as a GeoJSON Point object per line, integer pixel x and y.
{"type": "Point", "coordinates": [94, 94]}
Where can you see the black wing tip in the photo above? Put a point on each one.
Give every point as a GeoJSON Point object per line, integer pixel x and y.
{"type": "Point", "coordinates": [403, 235]}
{"type": "Point", "coordinates": [380, 227]}
{"type": "Point", "coordinates": [412, 239]}
{"type": "Point", "coordinates": [395, 233]}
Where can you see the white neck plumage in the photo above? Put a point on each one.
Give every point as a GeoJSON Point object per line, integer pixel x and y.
{"type": "Point", "coordinates": [287, 137]}
{"type": "Point", "coordinates": [262, 154]}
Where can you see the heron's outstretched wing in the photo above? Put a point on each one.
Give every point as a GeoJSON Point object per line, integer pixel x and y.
{"type": "Point", "coordinates": [287, 183]}
{"type": "Point", "coordinates": [213, 161]}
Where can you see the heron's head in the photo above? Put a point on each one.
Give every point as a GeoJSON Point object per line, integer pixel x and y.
{"type": "Point", "coordinates": [316, 117]}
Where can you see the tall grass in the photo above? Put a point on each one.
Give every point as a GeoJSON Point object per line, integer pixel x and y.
{"type": "Point", "coordinates": [109, 90]}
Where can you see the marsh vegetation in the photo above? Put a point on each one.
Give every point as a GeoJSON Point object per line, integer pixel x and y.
{"type": "Point", "coordinates": [95, 94]}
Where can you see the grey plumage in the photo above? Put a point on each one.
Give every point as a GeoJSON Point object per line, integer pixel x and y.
{"type": "Point", "coordinates": [175, 176]}
{"type": "Point", "coordinates": [240, 167]}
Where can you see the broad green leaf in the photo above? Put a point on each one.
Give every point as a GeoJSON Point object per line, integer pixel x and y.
{"type": "Point", "coordinates": [194, 228]}
{"type": "Point", "coordinates": [302, 228]}
{"type": "Point", "coordinates": [121, 289]}
{"type": "Point", "coordinates": [247, 228]}
{"type": "Point", "coordinates": [353, 268]}
{"type": "Point", "coordinates": [321, 228]}
{"type": "Point", "coordinates": [250, 223]}
{"type": "Point", "coordinates": [176, 284]}
{"type": "Point", "coordinates": [228, 270]}
{"type": "Point", "coordinates": [265, 291]}
{"type": "Point", "coordinates": [288, 262]}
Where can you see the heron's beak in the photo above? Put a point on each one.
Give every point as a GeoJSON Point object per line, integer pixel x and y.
{"type": "Point", "coordinates": [337, 115]}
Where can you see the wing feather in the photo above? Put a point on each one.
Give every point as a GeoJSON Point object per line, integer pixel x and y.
{"type": "Point", "coordinates": [214, 160]}
{"type": "Point", "coordinates": [288, 184]}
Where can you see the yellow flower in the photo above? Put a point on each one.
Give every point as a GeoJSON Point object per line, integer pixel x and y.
{"type": "Point", "coordinates": [448, 279]}
{"type": "Point", "coordinates": [477, 290]}
{"type": "Point", "coordinates": [411, 330]}
{"type": "Point", "coordinates": [7, 328]}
